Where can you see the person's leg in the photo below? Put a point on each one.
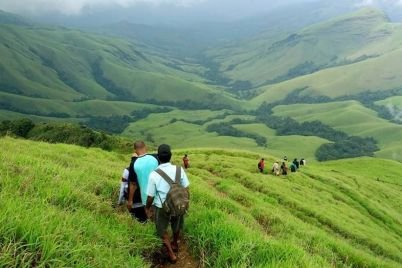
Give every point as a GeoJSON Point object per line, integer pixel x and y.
{"type": "Point", "coordinates": [177, 225]}
{"type": "Point", "coordinates": [161, 223]}
{"type": "Point", "coordinates": [139, 214]}
{"type": "Point", "coordinates": [168, 245]}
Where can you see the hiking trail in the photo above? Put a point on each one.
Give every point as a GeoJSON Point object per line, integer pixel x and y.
{"type": "Point", "coordinates": [185, 260]}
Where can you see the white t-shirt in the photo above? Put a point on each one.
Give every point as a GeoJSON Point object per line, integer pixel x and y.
{"type": "Point", "coordinates": [125, 174]}
{"type": "Point", "coordinates": [158, 187]}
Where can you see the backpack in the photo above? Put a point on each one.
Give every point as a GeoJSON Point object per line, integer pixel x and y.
{"type": "Point", "coordinates": [177, 198]}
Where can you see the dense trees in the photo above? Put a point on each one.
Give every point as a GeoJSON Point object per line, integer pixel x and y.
{"type": "Point", "coordinates": [344, 146]}
{"type": "Point", "coordinates": [226, 129]}
{"type": "Point", "coordinates": [63, 133]}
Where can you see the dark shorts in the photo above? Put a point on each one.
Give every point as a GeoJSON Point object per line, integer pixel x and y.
{"type": "Point", "coordinates": [162, 222]}
{"type": "Point", "coordinates": [139, 214]}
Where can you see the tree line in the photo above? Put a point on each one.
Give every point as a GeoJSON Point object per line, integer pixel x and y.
{"type": "Point", "coordinates": [343, 146]}
{"type": "Point", "coordinates": [63, 133]}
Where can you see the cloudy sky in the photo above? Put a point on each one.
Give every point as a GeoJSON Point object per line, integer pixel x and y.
{"type": "Point", "coordinates": [234, 8]}
{"type": "Point", "coordinates": [73, 7]}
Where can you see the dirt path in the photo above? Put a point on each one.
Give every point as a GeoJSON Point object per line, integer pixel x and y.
{"type": "Point", "coordinates": [185, 260]}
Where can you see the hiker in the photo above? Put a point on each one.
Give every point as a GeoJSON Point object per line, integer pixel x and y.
{"type": "Point", "coordinates": [123, 194]}
{"type": "Point", "coordinates": [140, 168]}
{"type": "Point", "coordinates": [302, 162]}
{"type": "Point", "coordinates": [296, 162]}
{"type": "Point", "coordinates": [284, 169]}
{"type": "Point", "coordinates": [261, 165]}
{"type": "Point", "coordinates": [293, 167]}
{"type": "Point", "coordinates": [275, 168]}
{"type": "Point", "coordinates": [186, 161]}
{"type": "Point", "coordinates": [170, 201]}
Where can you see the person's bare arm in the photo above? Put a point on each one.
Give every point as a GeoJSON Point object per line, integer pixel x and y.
{"type": "Point", "coordinates": [148, 211]}
{"type": "Point", "coordinates": [132, 188]}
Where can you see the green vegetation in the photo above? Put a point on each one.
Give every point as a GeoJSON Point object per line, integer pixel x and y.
{"type": "Point", "coordinates": [352, 118]}
{"type": "Point", "coordinates": [63, 133]}
{"type": "Point", "coordinates": [341, 213]}
{"type": "Point", "coordinates": [148, 90]}
{"type": "Point", "coordinates": [344, 146]}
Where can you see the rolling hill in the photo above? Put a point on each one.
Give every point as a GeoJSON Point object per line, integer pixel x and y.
{"type": "Point", "coordinates": [48, 63]}
{"type": "Point", "coordinates": [352, 38]}
{"type": "Point", "coordinates": [352, 118]}
{"type": "Point", "coordinates": [54, 73]}
{"type": "Point", "coordinates": [325, 215]}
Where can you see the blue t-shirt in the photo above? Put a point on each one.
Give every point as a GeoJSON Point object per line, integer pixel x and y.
{"type": "Point", "coordinates": [143, 166]}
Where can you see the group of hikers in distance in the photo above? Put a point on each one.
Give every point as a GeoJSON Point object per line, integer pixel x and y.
{"type": "Point", "coordinates": [282, 169]}
{"type": "Point", "coordinates": [156, 190]}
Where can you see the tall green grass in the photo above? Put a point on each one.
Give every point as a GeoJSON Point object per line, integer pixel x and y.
{"type": "Point", "coordinates": [56, 211]}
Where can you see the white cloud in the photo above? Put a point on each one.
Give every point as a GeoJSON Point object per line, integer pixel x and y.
{"type": "Point", "coordinates": [72, 7]}
{"type": "Point", "coordinates": [379, 3]}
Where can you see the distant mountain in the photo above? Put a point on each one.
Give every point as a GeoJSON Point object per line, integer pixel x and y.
{"type": "Point", "coordinates": [349, 55]}
{"type": "Point", "coordinates": [271, 59]}
{"type": "Point", "coordinates": [9, 18]}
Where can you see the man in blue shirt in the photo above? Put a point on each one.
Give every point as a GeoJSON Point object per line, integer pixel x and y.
{"type": "Point", "coordinates": [157, 191]}
{"type": "Point", "coordinates": [140, 168]}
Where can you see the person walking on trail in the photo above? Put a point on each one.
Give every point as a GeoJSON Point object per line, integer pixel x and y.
{"type": "Point", "coordinates": [186, 161]}
{"type": "Point", "coordinates": [123, 193]}
{"type": "Point", "coordinates": [302, 162]}
{"type": "Point", "coordinates": [261, 165]}
{"type": "Point", "coordinates": [168, 192]}
{"type": "Point", "coordinates": [293, 167]}
{"type": "Point", "coordinates": [284, 169]}
{"type": "Point", "coordinates": [296, 162]}
{"type": "Point", "coordinates": [140, 168]}
{"type": "Point", "coordinates": [275, 169]}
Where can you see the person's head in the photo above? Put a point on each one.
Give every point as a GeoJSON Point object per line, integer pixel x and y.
{"type": "Point", "coordinates": [164, 153]}
{"type": "Point", "coordinates": [140, 148]}
{"type": "Point", "coordinates": [185, 155]}
{"type": "Point", "coordinates": [262, 159]}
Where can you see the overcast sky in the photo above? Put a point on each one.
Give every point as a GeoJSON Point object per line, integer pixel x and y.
{"type": "Point", "coordinates": [217, 7]}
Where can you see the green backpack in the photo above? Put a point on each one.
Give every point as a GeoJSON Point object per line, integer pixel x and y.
{"type": "Point", "coordinates": [177, 199]}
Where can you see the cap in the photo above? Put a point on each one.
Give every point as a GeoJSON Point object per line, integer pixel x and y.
{"type": "Point", "coordinates": [164, 149]}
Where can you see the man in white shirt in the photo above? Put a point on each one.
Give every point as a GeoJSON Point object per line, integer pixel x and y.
{"type": "Point", "coordinates": [123, 186]}
{"type": "Point", "coordinates": [157, 191]}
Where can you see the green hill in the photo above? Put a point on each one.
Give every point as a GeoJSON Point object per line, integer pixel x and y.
{"type": "Point", "coordinates": [72, 66]}
{"type": "Point", "coordinates": [352, 118]}
{"type": "Point", "coordinates": [56, 211]}
{"type": "Point", "coordinates": [349, 39]}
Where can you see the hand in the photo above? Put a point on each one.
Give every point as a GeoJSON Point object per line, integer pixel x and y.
{"type": "Point", "coordinates": [129, 206]}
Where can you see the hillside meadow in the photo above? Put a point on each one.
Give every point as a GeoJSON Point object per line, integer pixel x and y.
{"type": "Point", "coordinates": [56, 211]}
{"type": "Point", "coordinates": [352, 118]}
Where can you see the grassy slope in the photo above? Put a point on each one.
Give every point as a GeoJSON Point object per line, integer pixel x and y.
{"type": "Point", "coordinates": [62, 64]}
{"type": "Point", "coordinates": [394, 101]}
{"type": "Point", "coordinates": [364, 33]}
{"type": "Point", "coordinates": [191, 135]}
{"type": "Point", "coordinates": [291, 146]}
{"type": "Point", "coordinates": [352, 118]}
{"type": "Point", "coordinates": [333, 214]}
{"type": "Point", "coordinates": [41, 106]}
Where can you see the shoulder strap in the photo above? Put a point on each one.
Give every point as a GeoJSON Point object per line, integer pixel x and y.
{"type": "Point", "coordinates": [164, 176]}
{"type": "Point", "coordinates": [167, 178]}
{"type": "Point", "coordinates": [178, 174]}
